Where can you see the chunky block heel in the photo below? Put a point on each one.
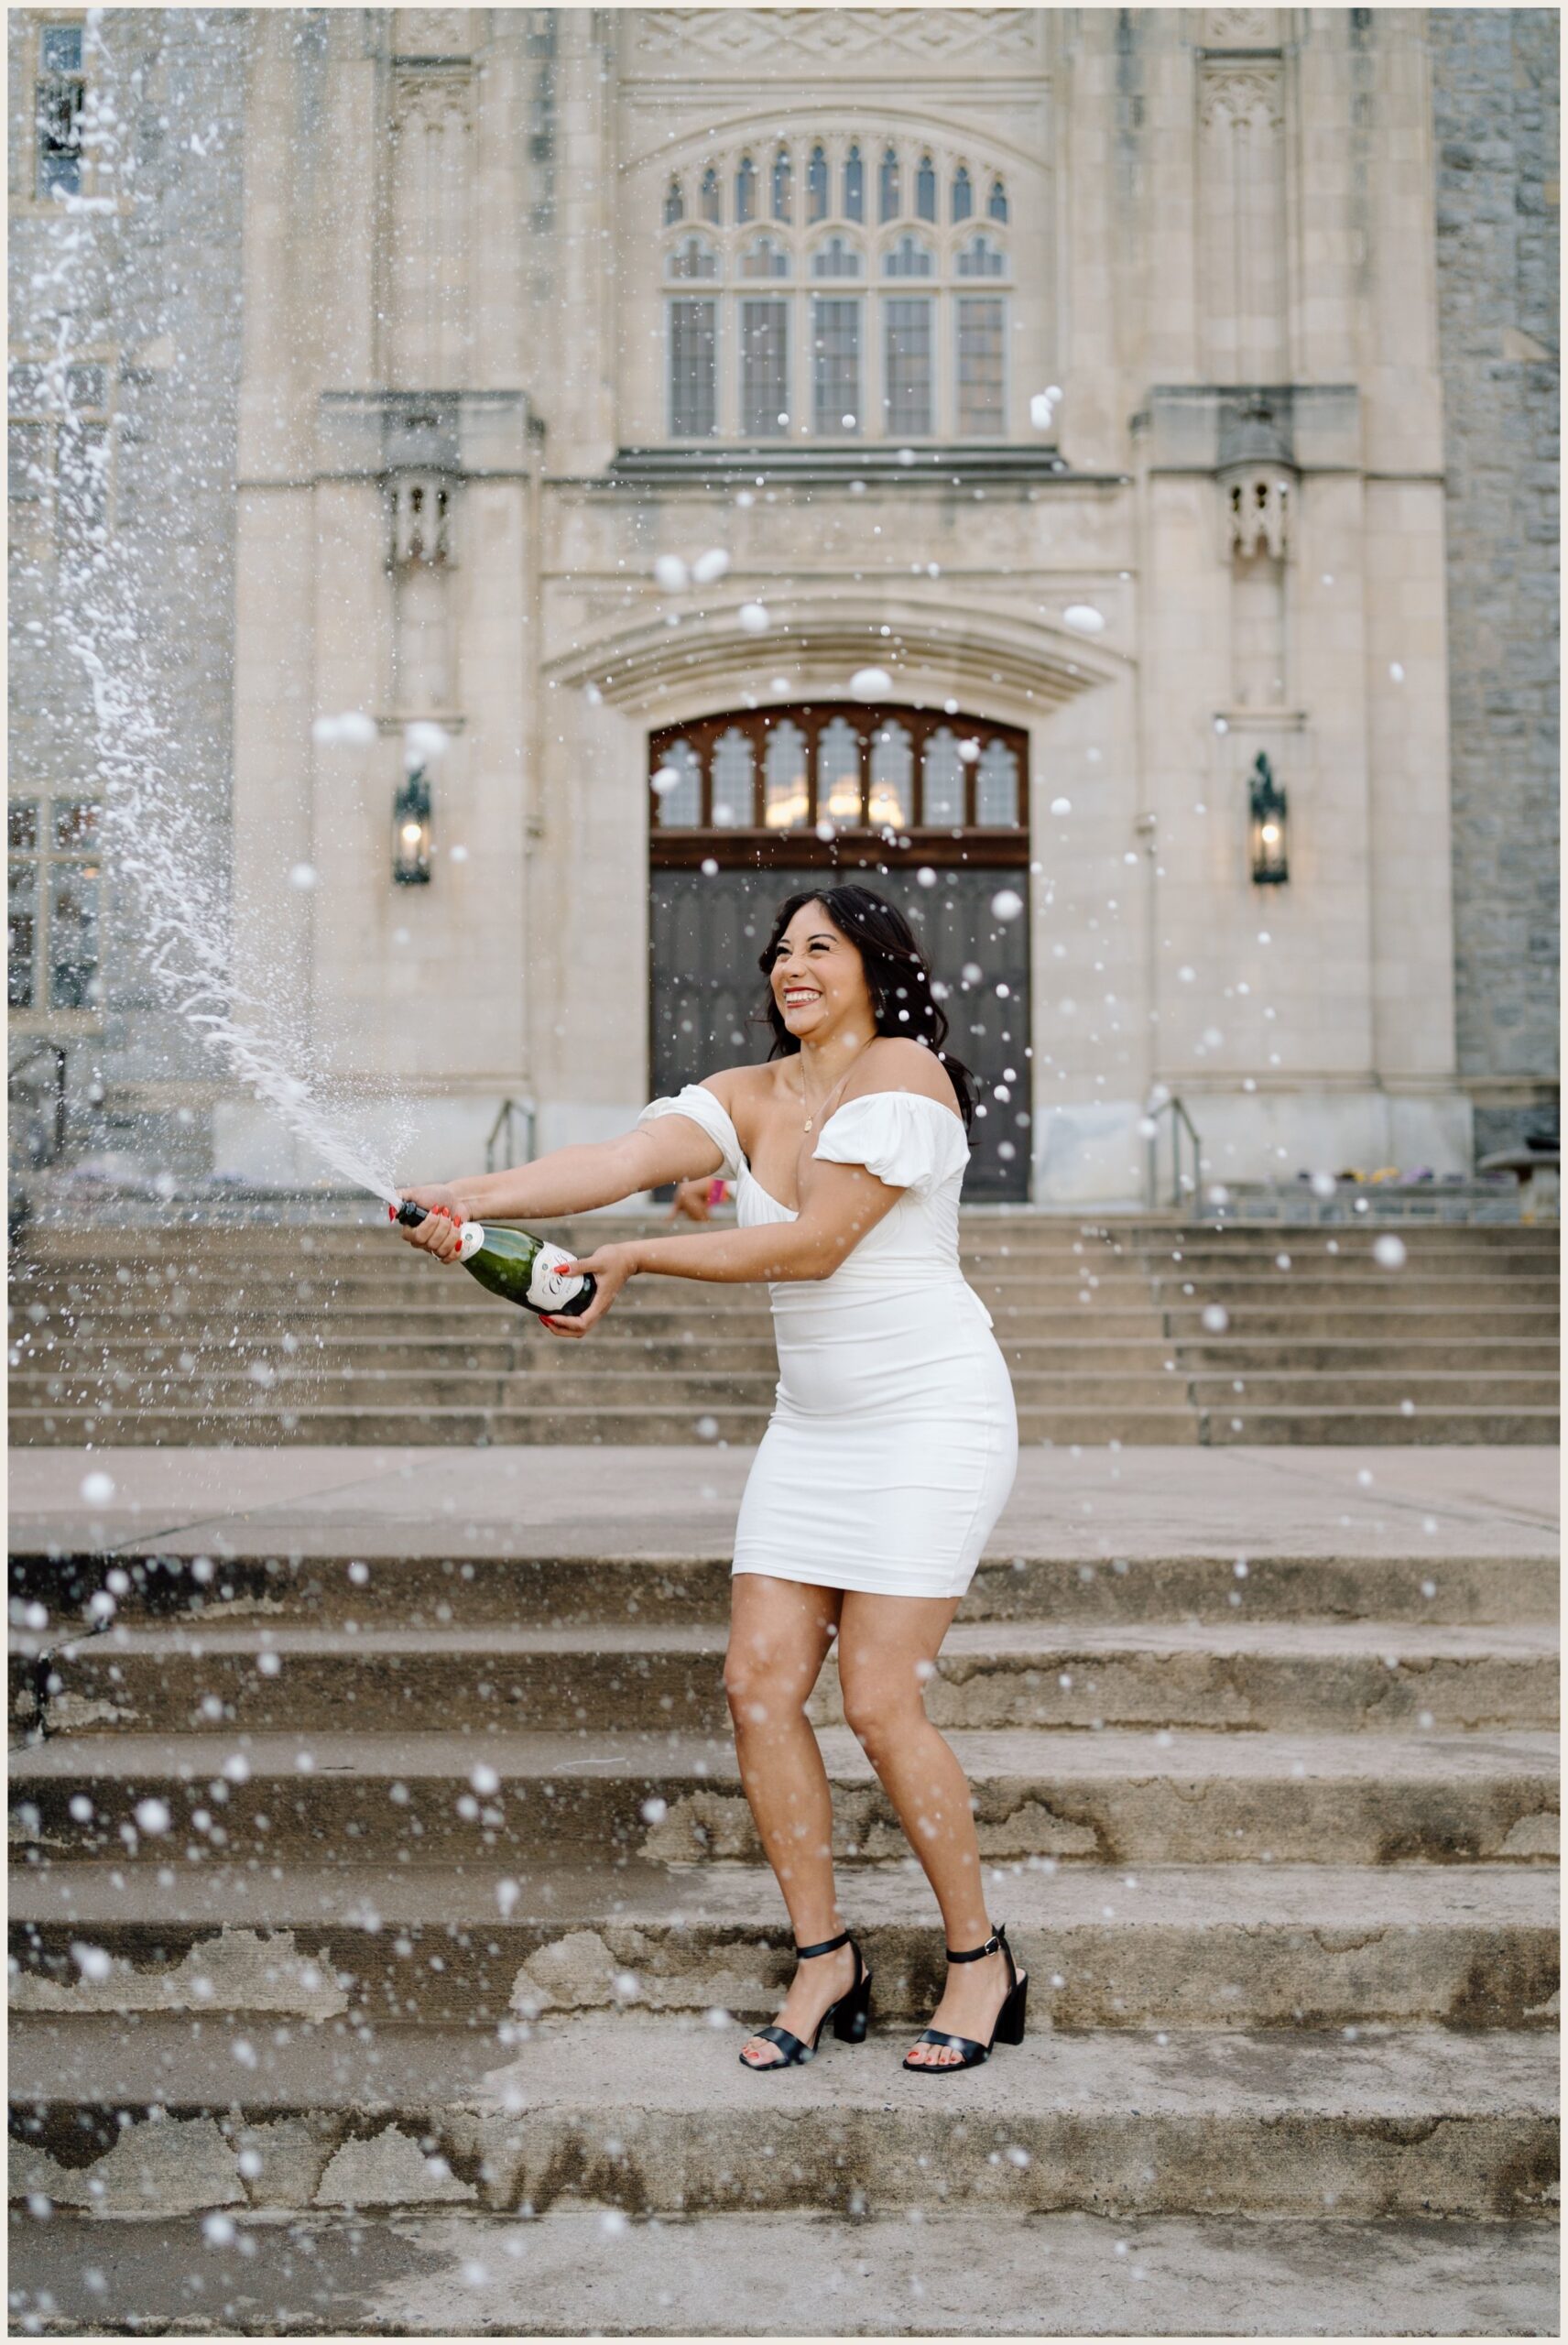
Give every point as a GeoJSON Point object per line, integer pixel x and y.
{"type": "Point", "coordinates": [1010, 2020]}
{"type": "Point", "coordinates": [850, 2013]}
{"type": "Point", "coordinates": [1010, 2027]}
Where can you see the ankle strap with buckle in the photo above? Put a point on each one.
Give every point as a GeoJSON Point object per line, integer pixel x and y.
{"type": "Point", "coordinates": [974, 1953]}
{"type": "Point", "coordinates": [826, 1946]}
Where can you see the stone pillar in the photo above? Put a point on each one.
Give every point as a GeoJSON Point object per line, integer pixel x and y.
{"type": "Point", "coordinates": [1406, 641]}
{"type": "Point", "coordinates": [581, 415]}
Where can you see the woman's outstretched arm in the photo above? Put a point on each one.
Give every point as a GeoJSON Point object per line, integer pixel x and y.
{"type": "Point", "coordinates": [839, 1203]}
{"type": "Point", "coordinates": [569, 1179]}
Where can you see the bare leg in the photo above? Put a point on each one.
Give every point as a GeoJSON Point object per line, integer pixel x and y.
{"type": "Point", "coordinates": [780, 1633]}
{"type": "Point", "coordinates": [887, 1649]}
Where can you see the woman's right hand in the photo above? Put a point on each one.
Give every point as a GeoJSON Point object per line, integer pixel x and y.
{"type": "Point", "coordinates": [438, 1233]}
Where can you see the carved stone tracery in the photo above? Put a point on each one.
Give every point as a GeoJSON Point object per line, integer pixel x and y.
{"type": "Point", "coordinates": [1258, 512]}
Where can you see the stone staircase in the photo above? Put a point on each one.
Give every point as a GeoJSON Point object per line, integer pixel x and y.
{"type": "Point", "coordinates": [383, 1934]}
{"type": "Point", "coordinates": [1137, 1331]}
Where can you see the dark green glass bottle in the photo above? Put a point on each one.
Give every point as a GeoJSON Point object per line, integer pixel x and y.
{"type": "Point", "coordinates": [514, 1265]}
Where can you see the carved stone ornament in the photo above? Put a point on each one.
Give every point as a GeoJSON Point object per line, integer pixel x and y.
{"type": "Point", "coordinates": [431, 32]}
{"type": "Point", "coordinates": [664, 36]}
{"type": "Point", "coordinates": [1234, 93]}
{"type": "Point", "coordinates": [421, 520]}
{"type": "Point", "coordinates": [431, 98]}
{"type": "Point", "coordinates": [1257, 511]}
{"type": "Point", "coordinates": [1243, 27]}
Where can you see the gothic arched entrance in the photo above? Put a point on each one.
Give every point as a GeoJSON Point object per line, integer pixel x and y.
{"type": "Point", "coordinates": [930, 807]}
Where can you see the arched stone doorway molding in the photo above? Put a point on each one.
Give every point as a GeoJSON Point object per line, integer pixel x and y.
{"type": "Point", "coordinates": [1018, 669]}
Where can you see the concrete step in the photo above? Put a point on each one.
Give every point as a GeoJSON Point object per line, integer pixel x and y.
{"type": "Point", "coordinates": [587, 2270]}
{"type": "Point", "coordinates": [1445, 1392]}
{"type": "Point", "coordinates": [417, 1384]}
{"type": "Point", "coordinates": [65, 1425]}
{"type": "Point", "coordinates": [662, 2117]}
{"type": "Point", "coordinates": [1239, 1945]}
{"type": "Point", "coordinates": [1188, 1797]}
{"type": "Point", "coordinates": [71, 1424]}
{"type": "Point", "coordinates": [1432, 1425]}
{"type": "Point", "coordinates": [1374, 1677]}
{"type": "Point", "coordinates": [1258, 1322]}
{"type": "Point", "coordinates": [295, 1574]}
{"type": "Point", "coordinates": [1360, 1355]}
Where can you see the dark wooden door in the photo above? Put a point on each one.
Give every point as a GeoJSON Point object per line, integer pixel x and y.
{"type": "Point", "coordinates": [707, 929]}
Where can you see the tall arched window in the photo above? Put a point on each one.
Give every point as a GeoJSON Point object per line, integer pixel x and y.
{"type": "Point", "coordinates": [925, 190]}
{"type": "Point", "coordinates": [797, 341]}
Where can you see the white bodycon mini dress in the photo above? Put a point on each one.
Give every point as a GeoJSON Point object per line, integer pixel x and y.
{"type": "Point", "coordinates": [893, 1439]}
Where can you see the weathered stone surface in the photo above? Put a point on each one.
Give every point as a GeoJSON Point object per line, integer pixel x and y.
{"type": "Point", "coordinates": [389, 2169]}
{"type": "Point", "coordinates": [237, 1970]}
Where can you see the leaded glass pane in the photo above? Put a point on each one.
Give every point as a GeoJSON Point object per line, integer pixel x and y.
{"type": "Point", "coordinates": [783, 185]}
{"type": "Point", "coordinates": [746, 192]}
{"type": "Point", "coordinates": [963, 194]}
{"type": "Point", "coordinates": [908, 371]}
{"type": "Point", "coordinates": [909, 257]}
{"type": "Point", "coordinates": [996, 787]}
{"type": "Point", "coordinates": [787, 804]}
{"type": "Point", "coordinates": [941, 779]}
{"type": "Point", "coordinates": [853, 185]}
{"type": "Point", "coordinates": [891, 199]}
{"type": "Point", "coordinates": [733, 768]}
{"type": "Point", "coordinates": [981, 359]}
{"type": "Point", "coordinates": [693, 369]}
{"type": "Point", "coordinates": [892, 776]}
{"type": "Point", "coordinates": [838, 772]}
{"type": "Point", "coordinates": [765, 257]}
{"type": "Point", "coordinates": [817, 185]}
{"type": "Point", "coordinates": [836, 367]}
{"type": "Point", "coordinates": [678, 788]}
{"type": "Point", "coordinates": [925, 190]}
{"type": "Point", "coordinates": [837, 258]}
{"type": "Point", "coordinates": [764, 369]}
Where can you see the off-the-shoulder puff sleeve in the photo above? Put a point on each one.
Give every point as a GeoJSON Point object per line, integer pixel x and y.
{"type": "Point", "coordinates": [704, 1108]}
{"type": "Point", "coordinates": [906, 1138]}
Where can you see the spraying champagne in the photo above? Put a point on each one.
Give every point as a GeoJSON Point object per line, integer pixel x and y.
{"type": "Point", "coordinates": [519, 1267]}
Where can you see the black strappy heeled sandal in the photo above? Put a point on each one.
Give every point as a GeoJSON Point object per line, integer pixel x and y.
{"type": "Point", "coordinates": [849, 2014]}
{"type": "Point", "coordinates": [1010, 2027]}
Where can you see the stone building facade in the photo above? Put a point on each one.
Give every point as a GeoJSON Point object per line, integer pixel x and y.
{"type": "Point", "coordinates": [976, 450]}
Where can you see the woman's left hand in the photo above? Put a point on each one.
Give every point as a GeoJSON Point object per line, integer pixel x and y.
{"type": "Point", "coordinates": [612, 1266]}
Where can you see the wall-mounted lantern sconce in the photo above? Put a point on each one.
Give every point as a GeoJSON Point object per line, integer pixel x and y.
{"type": "Point", "coordinates": [1268, 815]}
{"type": "Point", "coordinates": [411, 832]}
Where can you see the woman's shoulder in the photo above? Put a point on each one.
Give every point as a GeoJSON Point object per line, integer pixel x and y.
{"type": "Point", "coordinates": [898, 1062]}
{"type": "Point", "coordinates": [733, 1086]}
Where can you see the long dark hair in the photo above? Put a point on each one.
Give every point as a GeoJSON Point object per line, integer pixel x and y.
{"type": "Point", "coordinates": [896, 976]}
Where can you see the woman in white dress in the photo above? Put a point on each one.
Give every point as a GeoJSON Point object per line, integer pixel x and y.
{"type": "Point", "coordinates": [893, 1441]}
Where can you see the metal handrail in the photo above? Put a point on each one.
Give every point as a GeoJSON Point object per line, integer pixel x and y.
{"type": "Point", "coordinates": [1180, 1122]}
{"type": "Point", "coordinates": [40, 1047]}
{"type": "Point", "coordinates": [527, 1109]}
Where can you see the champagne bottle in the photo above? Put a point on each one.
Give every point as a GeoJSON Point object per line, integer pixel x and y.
{"type": "Point", "coordinates": [517, 1267]}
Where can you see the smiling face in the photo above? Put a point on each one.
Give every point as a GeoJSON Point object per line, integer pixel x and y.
{"type": "Point", "coordinates": [818, 978]}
